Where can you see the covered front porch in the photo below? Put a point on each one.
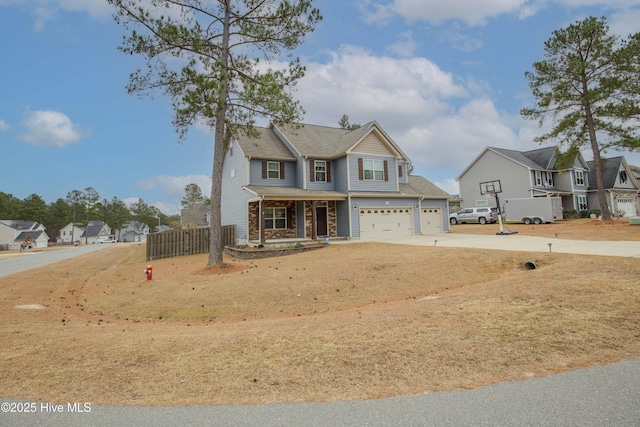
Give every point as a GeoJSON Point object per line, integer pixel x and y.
{"type": "Point", "coordinates": [286, 216]}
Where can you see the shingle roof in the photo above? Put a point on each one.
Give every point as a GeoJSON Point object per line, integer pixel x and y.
{"type": "Point", "coordinates": [294, 193]}
{"type": "Point", "coordinates": [422, 187]}
{"type": "Point", "coordinates": [266, 146]}
{"type": "Point", "coordinates": [542, 158]}
{"type": "Point", "coordinates": [315, 141]}
{"type": "Point", "coordinates": [19, 225]}
{"type": "Point", "coordinates": [23, 236]}
{"type": "Point", "coordinates": [610, 168]}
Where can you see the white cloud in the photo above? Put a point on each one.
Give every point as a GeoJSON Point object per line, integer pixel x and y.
{"type": "Point", "coordinates": [450, 185]}
{"type": "Point", "coordinates": [50, 128]}
{"type": "Point", "coordinates": [174, 185]}
{"type": "Point", "coordinates": [405, 47]}
{"type": "Point", "coordinates": [440, 120]}
{"type": "Point", "coordinates": [474, 12]}
{"type": "Point", "coordinates": [3, 125]}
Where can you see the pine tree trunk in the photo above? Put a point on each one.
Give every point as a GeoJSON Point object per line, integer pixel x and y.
{"type": "Point", "coordinates": [215, 248]}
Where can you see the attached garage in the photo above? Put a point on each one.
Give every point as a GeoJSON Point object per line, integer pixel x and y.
{"type": "Point", "coordinates": [431, 220]}
{"type": "Point", "coordinates": [385, 223]}
{"type": "Point", "coordinates": [626, 207]}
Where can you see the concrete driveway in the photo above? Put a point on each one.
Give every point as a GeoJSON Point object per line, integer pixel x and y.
{"type": "Point", "coordinates": [518, 242]}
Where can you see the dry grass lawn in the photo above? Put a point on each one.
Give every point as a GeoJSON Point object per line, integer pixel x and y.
{"type": "Point", "coordinates": [349, 321]}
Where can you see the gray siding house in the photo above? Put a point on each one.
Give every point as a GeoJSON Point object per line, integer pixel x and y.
{"type": "Point", "coordinates": [525, 174]}
{"type": "Point", "coordinates": [316, 182]}
{"type": "Point", "coordinates": [621, 187]}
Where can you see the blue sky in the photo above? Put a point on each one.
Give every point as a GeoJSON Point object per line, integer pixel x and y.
{"type": "Point", "coordinates": [444, 79]}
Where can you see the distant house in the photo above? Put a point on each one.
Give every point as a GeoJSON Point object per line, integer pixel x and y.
{"type": "Point", "coordinates": [70, 232]}
{"type": "Point", "coordinates": [133, 231]}
{"type": "Point", "coordinates": [13, 233]}
{"type": "Point", "coordinates": [81, 234]}
{"type": "Point", "coordinates": [620, 184]}
{"type": "Point", "coordinates": [525, 174]}
{"type": "Point", "coordinates": [195, 216]}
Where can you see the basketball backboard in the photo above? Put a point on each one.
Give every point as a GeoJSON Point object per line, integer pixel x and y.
{"type": "Point", "coordinates": [490, 187]}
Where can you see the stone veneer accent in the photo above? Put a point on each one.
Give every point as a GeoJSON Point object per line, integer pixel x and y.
{"type": "Point", "coordinates": [290, 232]}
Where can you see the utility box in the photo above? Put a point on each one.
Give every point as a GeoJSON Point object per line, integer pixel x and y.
{"type": "Point", "coordinates": [535, 210]}
{"type": "Point", "coordinates": [634, 220]}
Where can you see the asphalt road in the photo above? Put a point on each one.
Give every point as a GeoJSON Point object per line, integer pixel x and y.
{"type": "Point", "coordinates": [600, 396]}
{"type": "Point", "coordinates": [32, 258]}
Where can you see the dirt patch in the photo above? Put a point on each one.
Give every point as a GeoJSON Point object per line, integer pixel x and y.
{"type": "Point", "coordinates": [352, 321]}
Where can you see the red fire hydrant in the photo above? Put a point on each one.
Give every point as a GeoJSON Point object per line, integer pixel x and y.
{"type": "Point", "coordinates": [148, 271]}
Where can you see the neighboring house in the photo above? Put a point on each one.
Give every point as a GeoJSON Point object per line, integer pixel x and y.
{"type": "Point", "coordinates": [89, 235]}
{"type": "Point", "coordinates": [195, 216]}
{"type": "Point", "coordinates": [13, 233]}
{"type": "Point", "coordinates": [70, 232]}
{"type": "Point", "coordinates": [133, 231]}
{"type": "Point", "coordinates": [620, 184]}
{"type": "Point", "coordinates": [525, 174]}
{"type": "Point", "coordinates": [314, 182]}
{"type": "Point", "coordinates": [161, 228]}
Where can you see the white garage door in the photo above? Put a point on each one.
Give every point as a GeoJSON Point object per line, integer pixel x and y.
{"type": "Point", "coordinates": [385, 223]}
{"type": "Point", "coordinates": [627, 207]}
{"type": "Point", "coordinates": [431, 220]}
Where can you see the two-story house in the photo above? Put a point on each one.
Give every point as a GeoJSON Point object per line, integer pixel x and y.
{"type": "Point", "coordinates": [525, 174]}
{"type": "Point", "coordinates": [133, 231]}
{"type": "Point", "coordinates": [13, 233]}
{"type": "Point", "coordinates": [77, 232]}
{"type": "Point", "coordinates": [313, 182]}
{"type": "Point", "coordinates": [620, 184]}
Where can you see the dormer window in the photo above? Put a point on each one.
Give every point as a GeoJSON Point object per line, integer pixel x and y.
{"type": "Point", "coordinates": [623, 177]}
{"type": "Point", "coordinates": [579, 177]}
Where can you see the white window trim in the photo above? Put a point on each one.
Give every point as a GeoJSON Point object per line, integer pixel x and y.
{"type": "Point", "coordinates": [273, 218]}
{"type": "Point", "coordinates": [373, 169]}
{"type": "Point", "coordinates": [323, 171]}
{"type": "Point", "coordinates": [579, 177]}
{"type": "Point", "coordinates": [269, 170]}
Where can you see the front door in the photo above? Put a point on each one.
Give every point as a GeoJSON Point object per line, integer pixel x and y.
{"type": "Point", "coordinates": [321, 221]}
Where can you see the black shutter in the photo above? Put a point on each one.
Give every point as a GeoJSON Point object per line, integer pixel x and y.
{"type": "Point", "coordinates": [264, 170]}
{"type": "Point", "coordinates": [312, 171]}
{"type": "Point", "coordinates": [360, 169]}
{"type": "Point", "coordinates": [386, 171]}
{"type": "Point", "coordinates": [328, 171]}
{"type": "Point", "coordinates": [281, 170]}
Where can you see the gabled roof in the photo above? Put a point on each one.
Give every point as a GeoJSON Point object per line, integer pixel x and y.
{"type": "Point", "coordinates": [539, 159]}
{"type": "Point", "coordinates": [35, 235]}
{"type": "Point", "coordinates": [313, 141]}
{"type": "Point", "coordinates": [610, 169]}
{"type": "Point", "coordinates": [19, 225]}
{"type": "Point", "coordinates": [93, 229]}
{"type": "Point", "coordinates": [266, 146]}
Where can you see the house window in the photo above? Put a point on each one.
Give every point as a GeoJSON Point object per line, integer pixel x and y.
{"type": "Point", "coordinates": [582, 203]}
{"type": "Point", "coordinates": [538, 179]}
{"type": "Point", "coordinates": [373, 170]}
{"type": "Point", "coordinates": [273, 170]}
{"type": "Point", "coordinates": [579, 177]}
{"type": "Point", "coordinates": [320, 171]}
{"type": "Point", "coordinates": [275, 218]}
{"type": "Point", "coordinates": [548, 180]}
{"type": "Point", "coordinates": [623, 177]}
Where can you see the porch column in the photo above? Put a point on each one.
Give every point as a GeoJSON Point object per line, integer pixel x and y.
{"type": "Point", "coordinates": [314, 233]}
{"type": "Point", "coordinates": [261, 221]}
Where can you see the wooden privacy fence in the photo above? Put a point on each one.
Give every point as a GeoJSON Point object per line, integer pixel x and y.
{"type": "Point", "coordinates": [172, 243]}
